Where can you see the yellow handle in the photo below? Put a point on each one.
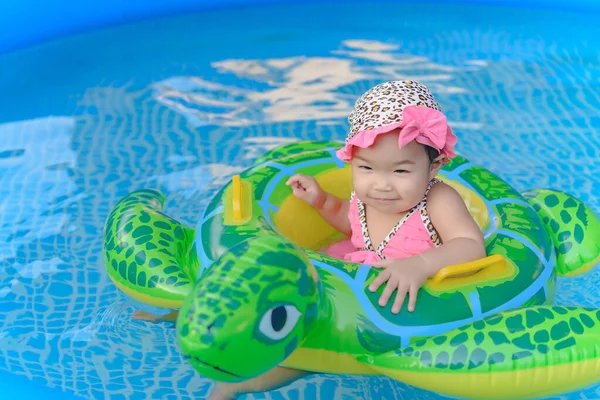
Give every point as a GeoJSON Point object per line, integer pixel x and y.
{"type": "Point", "coordinates": [470, 267]}
{"type": "Point", "coordinates": [236, 200]}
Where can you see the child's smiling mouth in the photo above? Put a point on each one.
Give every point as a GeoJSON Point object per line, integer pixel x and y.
{"type": "Point", "coordinates": [384, 199]}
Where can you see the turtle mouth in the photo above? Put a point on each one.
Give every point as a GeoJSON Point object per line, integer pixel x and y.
{"type": "Point", "coordinates": [216, 368]}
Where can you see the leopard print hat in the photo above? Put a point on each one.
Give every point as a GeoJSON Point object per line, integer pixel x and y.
{"type": "Point", "coordinates": [408, 105]}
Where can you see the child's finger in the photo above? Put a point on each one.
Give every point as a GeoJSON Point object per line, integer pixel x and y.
{"type": "Point", "coordinates": [299, 191]}
{"type": "Point", "coordinates": [381, 264]}
{"type": "Point", "coordinates": [412, 297]}
{"type": "Point", "coordinates": [305, 183]}
{"type": "Point", "coordinates": [379, 280]}
{"type": "Point", "coordinates": [296, 178]}
{"type": "Point", "coordinates": [399, 300]}
{"type": "Point", "coordinates": [387, 292]}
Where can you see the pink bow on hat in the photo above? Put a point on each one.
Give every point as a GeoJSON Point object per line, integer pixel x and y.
{"type": "Point", "coordinates": [428, 127]}
{"type": "Point", "coordinates": [422, 124]}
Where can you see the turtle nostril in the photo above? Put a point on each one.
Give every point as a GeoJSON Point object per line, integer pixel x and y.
{"type": "Point", "coordinates": [209, 327]}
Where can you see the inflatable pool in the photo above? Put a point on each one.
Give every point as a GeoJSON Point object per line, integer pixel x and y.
{"type": "Point", "coordinates": [252, 285]}
{"type": "Point", "coordinates": [98, 104]}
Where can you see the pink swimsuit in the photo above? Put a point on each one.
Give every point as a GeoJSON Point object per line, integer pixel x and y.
{"type": "Point", "coordinates": [412, 235]}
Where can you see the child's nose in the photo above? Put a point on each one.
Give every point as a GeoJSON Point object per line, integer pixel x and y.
{"type": "Point", "coordinates": [382, 185]}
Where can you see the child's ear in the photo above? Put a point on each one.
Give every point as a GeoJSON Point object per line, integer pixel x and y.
{"type": "Point", "coordinates": [437, 164]}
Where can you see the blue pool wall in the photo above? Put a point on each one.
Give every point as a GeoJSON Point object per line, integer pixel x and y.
{"type": "Point", "coordinates": [25, 23]}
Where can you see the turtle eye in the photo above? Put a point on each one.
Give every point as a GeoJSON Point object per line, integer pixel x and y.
{"type": "Point", "coordinates": [279, 321]}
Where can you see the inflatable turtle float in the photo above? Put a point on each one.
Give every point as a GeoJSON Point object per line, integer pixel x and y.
{"type": "Point", "coordinates": [252, 284]}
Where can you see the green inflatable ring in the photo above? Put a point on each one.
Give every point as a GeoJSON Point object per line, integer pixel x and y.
{"type": "Point", "coordinates": [252, 284]}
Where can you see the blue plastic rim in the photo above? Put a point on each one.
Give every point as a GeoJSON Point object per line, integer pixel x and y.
{"type": "Point", "coordinates": [28, 22]}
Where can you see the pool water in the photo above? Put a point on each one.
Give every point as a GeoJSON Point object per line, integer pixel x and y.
{"type": "Point", "coordinates": [181, 104]}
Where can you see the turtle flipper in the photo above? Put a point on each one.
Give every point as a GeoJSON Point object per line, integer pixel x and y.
{"type": "Point", "coordinates": [147, 254]}
{"type": "Point", "coordinates": [524, 353]}
{"type": "Point", "coordinates": [573, 226]}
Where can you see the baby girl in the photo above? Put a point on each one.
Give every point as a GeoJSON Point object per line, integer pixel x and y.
{"type": "Point", "coordinates": [400, 217]}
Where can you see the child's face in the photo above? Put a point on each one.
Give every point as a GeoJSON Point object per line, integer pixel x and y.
{"type": "Point", "coordinates": [390, 179]}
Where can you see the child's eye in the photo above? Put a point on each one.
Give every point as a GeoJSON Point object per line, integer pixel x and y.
{"type": "Point", "coordinates": [400, 171]}
{"type": "Point", "coordinates": [365, 167]}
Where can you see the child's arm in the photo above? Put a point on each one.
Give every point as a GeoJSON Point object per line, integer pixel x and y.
{"type": "Point", "coordinates": [271, 380]}
{"type": "Point", "coordinates": [146, 316]}
{"type": "Point", "coordinates": [461, 237]}
{"type": "Point", "coordinates": [333, 209]}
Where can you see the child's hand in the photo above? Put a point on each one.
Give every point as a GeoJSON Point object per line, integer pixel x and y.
{"type": "Point", "coordinates": [407, 275]}
{"type": "Point", "coordinates": [307, 189]}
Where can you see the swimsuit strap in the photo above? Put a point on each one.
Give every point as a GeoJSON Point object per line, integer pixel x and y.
{"type": "Point", "coordinates": [433, 235]}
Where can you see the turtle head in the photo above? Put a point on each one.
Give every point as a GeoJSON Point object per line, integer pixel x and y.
{"type": "Point", "coordinates": [250, 310]}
